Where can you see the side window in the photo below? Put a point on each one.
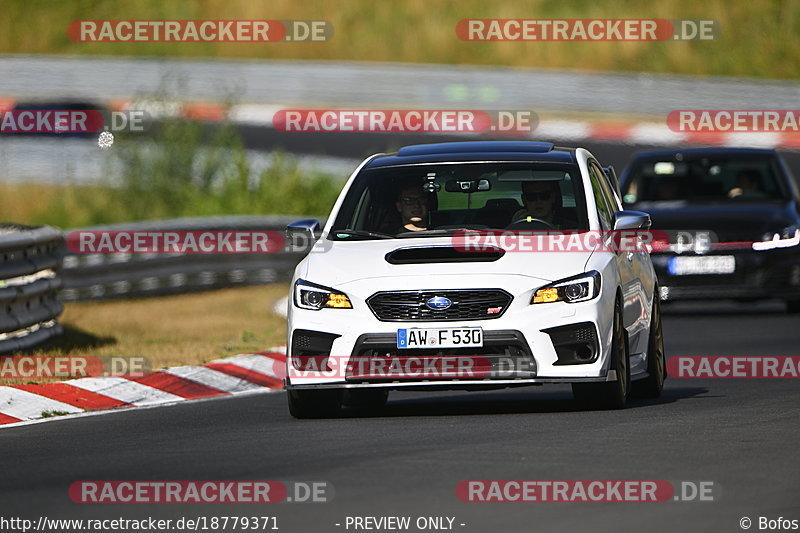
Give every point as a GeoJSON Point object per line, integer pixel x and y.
{"type": "Point", "coordinates": [361, 213]}
{"type": "Point", "coordinates": [604, 210]}
{"type": "Point", "coordinates": [607, 188]}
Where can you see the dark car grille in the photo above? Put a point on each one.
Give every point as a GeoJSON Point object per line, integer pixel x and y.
{"type": "Point", "coordinates": [472, 304]}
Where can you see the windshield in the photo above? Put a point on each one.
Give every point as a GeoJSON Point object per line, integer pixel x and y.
{"type": "Point", "coordinates": [705, 180]}
{"type": "Point", "coordinates": [432, 200]}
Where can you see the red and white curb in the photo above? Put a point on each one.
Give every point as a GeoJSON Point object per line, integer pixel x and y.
{"type": "Point", "coordinates": [626, 131]}
{"type": "Point", "coordinates": [241, 374]}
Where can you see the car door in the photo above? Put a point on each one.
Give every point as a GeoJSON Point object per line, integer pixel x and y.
{"type": "Point", "coordinates": [635, 310]}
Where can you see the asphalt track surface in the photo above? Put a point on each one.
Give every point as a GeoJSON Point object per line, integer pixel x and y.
{"type": "Point", "coordinates": [740, 434]}
{"type": "Point", "coordinates": [361, 145]}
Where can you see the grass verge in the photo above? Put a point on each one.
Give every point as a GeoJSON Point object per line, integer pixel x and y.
{"type": "Point", "coordinates": [757, 37]}
{"type": "Point", "coordinates": [190, 329]}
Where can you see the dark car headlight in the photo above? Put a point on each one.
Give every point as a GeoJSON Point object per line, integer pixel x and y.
{"type": "Point", "coordinates": [580, 288]}
{"type": "Point", "coordinates": [785, 239]}
{"type": "Point", "coordinates": [311, 296]}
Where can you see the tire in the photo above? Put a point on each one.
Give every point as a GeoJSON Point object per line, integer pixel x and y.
{"type": "Point", "coordinates": [324, 403]}
{"type": "Point", "coordinates": [368, 399]}
{"type": "Point", "coordinates": [793, 306]}
{"type": "Point", "coordinates": [653, 384]}
{"type": "Point", "coordinates": [610, 394]}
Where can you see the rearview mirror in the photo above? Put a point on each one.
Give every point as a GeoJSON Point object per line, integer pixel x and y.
{"type": "Point", "coordinates": [467, 186]}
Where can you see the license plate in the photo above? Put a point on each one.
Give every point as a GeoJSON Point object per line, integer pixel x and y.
{"type": "Point", "coordinates": [471, 337]}
{"type": "Point", "coordinates": [712, 264]}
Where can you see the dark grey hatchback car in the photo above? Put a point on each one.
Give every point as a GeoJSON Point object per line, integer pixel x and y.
{"type": "Point", "coordinates": [732, 218]}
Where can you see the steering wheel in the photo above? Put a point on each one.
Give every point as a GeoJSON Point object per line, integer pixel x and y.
{"type": "Point", "coordinates": [529, 222]}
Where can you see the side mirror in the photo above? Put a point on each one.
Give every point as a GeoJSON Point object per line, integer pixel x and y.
{"type": "Point", "coordinates": [631, 220]}
{"type": "Point", "coordinates": [308, 224]}
{"type": "Point", "coordinates": [303, 233]}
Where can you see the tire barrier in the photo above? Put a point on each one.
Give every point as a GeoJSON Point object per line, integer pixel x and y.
{"type": "Point", "coordinates": [30, 258]}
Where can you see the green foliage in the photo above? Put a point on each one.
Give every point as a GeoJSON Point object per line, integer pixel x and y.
{"type": "Point", "coordinates": [188, 169]}
{"type": "Point", "coordinates": [757, 38]}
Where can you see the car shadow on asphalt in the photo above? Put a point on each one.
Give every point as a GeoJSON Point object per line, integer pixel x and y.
{"type": "Point", "coordinates": [507, 402]}
{"type": "Point", "coordinates": [724, 308]}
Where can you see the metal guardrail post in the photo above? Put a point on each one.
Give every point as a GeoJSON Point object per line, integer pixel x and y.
{"type": "Point", "coordinates": [109, 276]}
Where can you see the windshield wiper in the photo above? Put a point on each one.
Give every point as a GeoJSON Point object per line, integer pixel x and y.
{"type": "Point", "coordinates": [344, 233]}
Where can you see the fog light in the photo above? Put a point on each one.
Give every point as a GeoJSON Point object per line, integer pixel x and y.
{"type": "Point", "coordinates": [575, 344]}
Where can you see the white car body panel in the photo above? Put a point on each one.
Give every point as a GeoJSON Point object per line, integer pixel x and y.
{"type": "Point", "coordinates": [359, 269]}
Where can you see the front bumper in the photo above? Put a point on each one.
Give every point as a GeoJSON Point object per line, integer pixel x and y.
{"type": "Point", "coordinates": [758, 275]}
{"type": "Point", "coordinates": [528, 345]}
{"type": "Point", "coordinates": [450, 384]}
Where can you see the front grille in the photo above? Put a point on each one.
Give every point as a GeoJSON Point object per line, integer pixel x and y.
{"type": "Point", "coordinates": [505, 354]}
{"type": "Point", "coordinates": [467, 304]}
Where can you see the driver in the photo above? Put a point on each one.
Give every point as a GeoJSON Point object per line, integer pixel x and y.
{"type": "Point", "coordinates": [748, 185]}
{"type": "Point", "coordinates": [541, 200]}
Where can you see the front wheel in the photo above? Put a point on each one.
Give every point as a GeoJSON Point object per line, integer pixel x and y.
{"type": "Point", "coordinates": [323, 403]}
{"type": "Point", "coordinates": [793, 306]}
{"type": "Point", "coordinates": [610, 394]}
{"type": "Point", "coordinates": [653, 384]}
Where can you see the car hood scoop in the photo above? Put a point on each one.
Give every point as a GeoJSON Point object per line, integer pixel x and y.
{"type": "Point", "coordinates": [442, 254]}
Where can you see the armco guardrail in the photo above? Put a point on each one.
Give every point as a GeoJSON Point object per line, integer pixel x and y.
{"type": "Point", "coordinates": [30, 259]}
{"type": "Point", "coordinates": [105, 276]}
{"type": "Point", "coordinates": [376, 85]}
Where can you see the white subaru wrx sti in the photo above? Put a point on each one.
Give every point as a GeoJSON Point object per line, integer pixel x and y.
{"type": "Point", "coordinates": [474, 265]}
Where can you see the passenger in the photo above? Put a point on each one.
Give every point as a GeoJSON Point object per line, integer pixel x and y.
{"type": "Point", "coordinates": [413, 205]}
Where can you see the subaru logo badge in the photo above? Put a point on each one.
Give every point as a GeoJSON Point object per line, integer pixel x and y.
{"type": "Point", "coordinates": [439, 303]}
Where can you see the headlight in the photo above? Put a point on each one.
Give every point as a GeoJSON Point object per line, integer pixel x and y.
{"type": "Point", "coordinates": [315, 297]}
{"type": "Point", "coordinates": [578, 288]}
{"type": "Point", "coordinates": [786, 239]}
